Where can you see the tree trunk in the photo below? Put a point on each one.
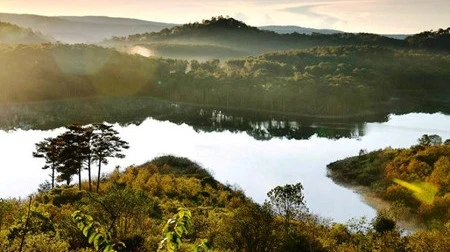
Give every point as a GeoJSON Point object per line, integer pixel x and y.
{"type": "Point", "coordinates": [89, 174]}
{"type": "Point", "coordinates": [98, 178]}
{"type": "Point", "coordinates": [79, 178]}
{"type": "Point", "coordinates": [53, 176]}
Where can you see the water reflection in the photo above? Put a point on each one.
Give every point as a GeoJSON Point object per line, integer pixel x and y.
{"type": "Point", "coordinates": [126, 111]}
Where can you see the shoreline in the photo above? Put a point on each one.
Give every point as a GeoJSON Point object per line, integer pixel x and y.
{"type": "Point", "coordinates": [405, 222]}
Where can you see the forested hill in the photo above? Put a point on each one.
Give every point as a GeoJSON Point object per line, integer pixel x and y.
{"type": "Point", "coordinates": [173, 204]}
{"type": "Point", "coordinates": [415, 180]}
{"type": "Point", "coordinates": [13, 34]}
{"type": "Point", "coordinates": [226, 37]}
{"type": "Point", "coordinates": [335, 81]}
{"type": "Point", "coordinates": [436, 40]}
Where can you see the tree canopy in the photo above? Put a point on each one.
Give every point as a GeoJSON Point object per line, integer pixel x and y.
{"type": "Point", "coordinates": [75, 149]}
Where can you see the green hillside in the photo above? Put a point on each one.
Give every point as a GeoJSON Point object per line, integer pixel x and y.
{"type": "Point", "coordinates": [133, 207]}
{"type": "Point", "coordinates": [415, 181]}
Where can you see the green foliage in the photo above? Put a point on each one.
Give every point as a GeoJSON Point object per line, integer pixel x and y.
{"type": "Point", "coordinates": [97, 235]}
{"type": "Point", "coordinates": [37, 222]}
{"type": "Point", "coordinates": [175, 230]}
{"type": "Point", "coordinates": [203, 246]}
{"type": "Point", "coordinates": [78, 147]}
{"type": "Point", "coordinates": [287, 201]}
{"type": "Point", "coordinates": [105, 144]}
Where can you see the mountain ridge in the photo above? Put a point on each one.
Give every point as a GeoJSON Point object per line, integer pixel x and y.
{"type": "Point", "coordinates": [14, 34]}
{"type": "Point", "coordinates": [83, 29]}
{"type": "Point", "coordinates": [286, 29]}
{"type": "Point", "coordinates": [87, 29]}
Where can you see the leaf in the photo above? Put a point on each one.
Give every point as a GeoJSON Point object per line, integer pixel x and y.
{"type": "Point", "coordinates": [87, 229]}
{"type": "Point", "coordinates": [108, 248]}
{"type": "Point", "coordinates": [179, 230]}
{"type": "Point", "coordinates": [98, 242]}
{"type": "Point", "coordinates": [94, 236]}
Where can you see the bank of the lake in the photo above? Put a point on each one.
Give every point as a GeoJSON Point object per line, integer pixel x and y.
{"type": "Point", "coordinates": [412, 183]}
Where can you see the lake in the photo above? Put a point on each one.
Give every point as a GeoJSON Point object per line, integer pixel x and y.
{"type": "Point", "coordinates": [239, 158]}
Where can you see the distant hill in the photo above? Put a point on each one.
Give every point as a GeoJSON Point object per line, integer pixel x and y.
{"type": "Point", "coordinates": [227, 37]}
{"type": "Point", "coordinates": [88, 29]}
{"type": "Point", "coordinates": [303, 30]}
{"type": "Point", "coordinates": [13, 34]}
{"type": "Point", "coordinates": [397, 36]}
{"type": "Point", "coordinates": [298, 29]}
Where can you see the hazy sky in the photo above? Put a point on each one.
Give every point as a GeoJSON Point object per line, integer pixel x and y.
{"type": "Point", "coordinates": [377, 16]}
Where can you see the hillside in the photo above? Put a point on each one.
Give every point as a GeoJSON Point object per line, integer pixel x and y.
{"type": "Point", "coordinates": [235, 38]}
{"type": "Point", "coordinates": [13, 34]}
{"type": "Point", "coordinates": [88, 29]}
{"type": "Point", "coordinates": [138, 208]}
{"type": "Point", "coordinates": [225, 38]}
{"type": "Point", "coordinates": [415, 181]}
{"type": "Point", "coordinates": [434, 40]}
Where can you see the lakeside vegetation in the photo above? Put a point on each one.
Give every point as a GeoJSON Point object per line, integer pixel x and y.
{"type": "Point", "coordinates": [132, 207]}
{"type": "Point", "coordinates": [415, 181]}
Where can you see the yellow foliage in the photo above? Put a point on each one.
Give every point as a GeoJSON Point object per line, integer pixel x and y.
{"type": "Point", "coordinates": [441, 173]}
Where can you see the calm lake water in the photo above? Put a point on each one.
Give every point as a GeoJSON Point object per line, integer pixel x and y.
{"type": "Point", "coordinates": [236, 158]}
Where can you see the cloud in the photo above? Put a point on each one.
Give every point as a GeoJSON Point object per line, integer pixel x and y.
{"type": "Point", "coordinates": [308, 11]}
{"type": "Point", "coordinates": [240, 16]}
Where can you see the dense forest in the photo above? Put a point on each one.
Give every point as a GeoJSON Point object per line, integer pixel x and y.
{"type": "Point", "coordinates": [132, 207]}
{"type": "Point", "coordinates": [331, 81]}
{"type": "Point", "coordinates": [415, 180]}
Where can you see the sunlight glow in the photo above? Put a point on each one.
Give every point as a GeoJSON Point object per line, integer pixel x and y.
{"type": "Point", "coordinates": [376, 16]}
{"type": "Point", "coordinates": [141, 51]}
{"type": "Point", "coordinates": [424, 192]}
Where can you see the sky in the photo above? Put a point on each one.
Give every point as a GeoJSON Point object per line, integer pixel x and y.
{"type": "Point", "coordinates": [375, 16]}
